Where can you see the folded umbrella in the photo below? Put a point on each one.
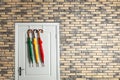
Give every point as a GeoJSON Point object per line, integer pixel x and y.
{"type": "Point", "coordinates": [30, 45]}
{"type": "Point", "coordinates": [35, 47]}
{"type": "Point", "coordinates": [40, 46]}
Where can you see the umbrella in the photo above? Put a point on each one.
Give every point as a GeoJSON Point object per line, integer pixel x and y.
{"type": "Point", "coordinates": [35, 47]}
{"type": "Point", "coordinates": [40, 46]}
{"type": "Point", "coordinates": [29, 41]}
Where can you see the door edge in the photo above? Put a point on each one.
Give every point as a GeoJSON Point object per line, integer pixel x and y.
{"type": "Point", "coordinates": [16, 47]}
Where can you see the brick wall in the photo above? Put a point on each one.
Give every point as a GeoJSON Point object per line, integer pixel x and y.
{"type": "Point", "coordinates": [89, 35]}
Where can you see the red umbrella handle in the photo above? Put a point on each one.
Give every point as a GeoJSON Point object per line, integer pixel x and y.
{"type": "Point", "coordinates": [41, 50]}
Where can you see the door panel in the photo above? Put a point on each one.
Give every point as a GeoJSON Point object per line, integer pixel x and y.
{"type": "Point", "coordinates": [33, 71]}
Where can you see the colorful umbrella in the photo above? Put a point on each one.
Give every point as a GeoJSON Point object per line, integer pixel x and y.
{"type": "Point", "coordinates": [29, 41]}
{"type": "Point", "coordinates": [35, 47]}
{"type": "Point", "coordinates": [40, 46]}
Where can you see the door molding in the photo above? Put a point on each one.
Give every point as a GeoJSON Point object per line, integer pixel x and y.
{"type": "Point", "coordinates": [16, 46]}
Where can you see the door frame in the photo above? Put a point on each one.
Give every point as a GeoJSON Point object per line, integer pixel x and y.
{"type": "Point", "coordinates": [57, 46]}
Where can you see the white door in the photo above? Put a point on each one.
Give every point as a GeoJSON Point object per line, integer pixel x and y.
{"type": "Point", "coordinates": [24, 70]}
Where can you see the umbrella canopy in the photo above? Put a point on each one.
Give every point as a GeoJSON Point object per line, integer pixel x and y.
{"type": "Point", "coordinates": [35, 47]}
{"type": "Point", "coordinates": [29, 41]}
{"type": "Point", "coordinates": [40, 46]}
